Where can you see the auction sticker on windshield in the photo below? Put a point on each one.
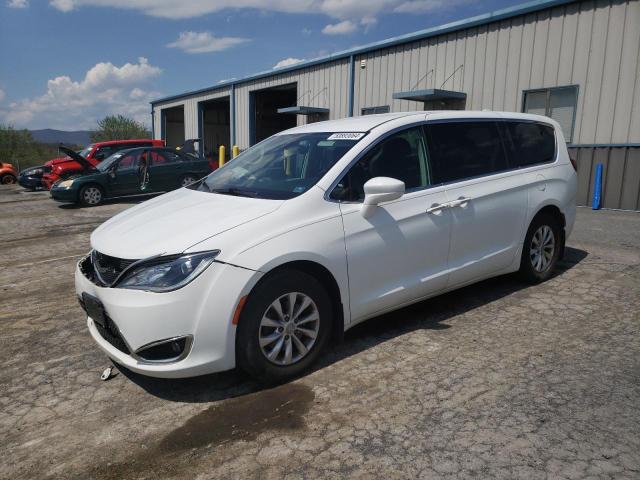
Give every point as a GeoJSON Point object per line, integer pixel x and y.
{"type": "Point", "coordinates": [346, 136]}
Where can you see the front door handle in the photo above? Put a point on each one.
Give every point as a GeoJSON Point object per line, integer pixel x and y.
{"type": "Point", "coordinates": [437, 207]}
{"type": "Point", "coordinates": [460, 202]}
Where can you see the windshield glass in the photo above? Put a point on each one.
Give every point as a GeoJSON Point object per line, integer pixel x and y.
{"type": "Point", "coordinates": [104, 165]}
{"type": "Point", "coordinates": [281, 167]}
{"type": "Point", "coordinates": [85, 151]}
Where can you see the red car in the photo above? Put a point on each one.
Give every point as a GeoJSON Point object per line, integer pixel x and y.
{"type": "Point", "coordinates": [58, 168]}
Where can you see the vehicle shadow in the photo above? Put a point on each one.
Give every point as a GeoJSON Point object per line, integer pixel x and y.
{"type": "Point", "coordinates": [430, 314]}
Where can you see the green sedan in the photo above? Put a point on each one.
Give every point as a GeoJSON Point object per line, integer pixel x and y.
{"type": "Point", "coordinates": [135, 171]}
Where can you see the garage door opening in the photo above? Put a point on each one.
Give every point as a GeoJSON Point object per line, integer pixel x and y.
{"type": "Point", "coordinates": [215, 127]}
{"type": "Point", "coordinates": [266, 120]}
{"type": "Point", "coordinates": [173, 126]}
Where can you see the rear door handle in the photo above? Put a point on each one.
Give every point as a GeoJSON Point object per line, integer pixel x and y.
{"type": "Point", "coordinates": [437, 207]}
{"type": "Point", "coordinates": [460, 202]}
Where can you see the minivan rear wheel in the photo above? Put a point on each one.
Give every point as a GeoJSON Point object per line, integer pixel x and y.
{"type": "Point", "coordinates": [284, 326]}
{"type": "Point", "coordinates": [541, 249]}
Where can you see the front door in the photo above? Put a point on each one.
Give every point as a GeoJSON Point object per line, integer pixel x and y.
{"type": "Point", "coordinates": [165, 171]}
{"type": "Point", "coordinates": [487, 204]}
{"type": "Point", "coordinates": [399, 253]}
{"type": "Point", "coordinates": [131, 175]}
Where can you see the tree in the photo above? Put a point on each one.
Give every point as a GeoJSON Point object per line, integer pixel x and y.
{"type": "Point", "coordinates": [119, 127]}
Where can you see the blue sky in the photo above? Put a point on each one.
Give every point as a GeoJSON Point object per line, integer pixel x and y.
{"type": "Point", "coordinates": [67, 63]}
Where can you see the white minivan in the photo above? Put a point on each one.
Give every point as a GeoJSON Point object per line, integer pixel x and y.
{"type": "Point", "coordinates": [315, 229]}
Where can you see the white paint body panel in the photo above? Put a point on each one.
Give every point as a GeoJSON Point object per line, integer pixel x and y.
{"type": "Point", "coordinates": [398, 255]}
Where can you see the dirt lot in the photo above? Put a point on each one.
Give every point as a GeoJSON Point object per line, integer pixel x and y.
{"type": "Point", "coordinates": [496, 380]}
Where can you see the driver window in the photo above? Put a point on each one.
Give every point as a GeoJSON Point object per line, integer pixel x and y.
{"type": "Point", "coordinates": [401, 156]}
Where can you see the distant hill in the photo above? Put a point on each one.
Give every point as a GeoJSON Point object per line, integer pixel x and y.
{"type": "Point", "coordinates": [48, 135]}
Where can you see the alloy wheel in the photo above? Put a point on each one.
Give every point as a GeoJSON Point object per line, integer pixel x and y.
{"type": "Point", "coordinates": [289, 328]}
{"type": "Point", "coordinates": [543, 245]}
{"type": "Point", "coordinates": [187, 181]}
{"type": "Point", "coordinates": [92, 195]}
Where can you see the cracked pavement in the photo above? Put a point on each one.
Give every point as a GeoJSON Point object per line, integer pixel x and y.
{"type": "Point", "coordinates": [497, 380]}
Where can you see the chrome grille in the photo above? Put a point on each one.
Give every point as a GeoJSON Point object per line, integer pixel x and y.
{"type": "Point", "coordinates": [108, 268]}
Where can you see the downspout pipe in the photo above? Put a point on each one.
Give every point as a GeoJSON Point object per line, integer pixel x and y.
{"type": "Point", "coordinates": [232, 114]}
{"type": "Point", "coordinates": [352, 80]}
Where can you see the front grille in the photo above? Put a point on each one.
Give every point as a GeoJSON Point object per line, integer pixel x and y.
{"type": "Point", "coordinates": [108, 268]}
{"type": "Point", "coordinates": [109, 332]}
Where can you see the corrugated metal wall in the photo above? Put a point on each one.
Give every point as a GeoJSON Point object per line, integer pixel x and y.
{"type": "Point", "coordinates": [620, 175]}
{"type": "Point", "coordinates": [590, 44]}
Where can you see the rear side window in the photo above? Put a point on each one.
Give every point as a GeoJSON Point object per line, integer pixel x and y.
{"type": "Point", "coordinates": [459, 150]}
{"type": "Point", "coordinates": [531, 143]}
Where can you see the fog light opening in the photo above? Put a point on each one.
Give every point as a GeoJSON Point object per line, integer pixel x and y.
{"type": "Point", "coordinates": [169, 350]}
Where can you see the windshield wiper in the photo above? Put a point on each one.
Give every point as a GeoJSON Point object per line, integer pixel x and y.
{"type": "Point", "coordinates": [235, 192]}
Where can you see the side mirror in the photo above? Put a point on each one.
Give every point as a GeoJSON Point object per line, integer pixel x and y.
{"type": "Point", "coordinates": [378, 190]}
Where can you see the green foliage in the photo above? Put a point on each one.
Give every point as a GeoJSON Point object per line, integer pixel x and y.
{"type": "Point", "coordinates": [119, 127]}
{"type": "Point", "coordinates": [20, 149]}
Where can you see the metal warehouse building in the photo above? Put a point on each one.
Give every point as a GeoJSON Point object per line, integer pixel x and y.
{"type": "Point", "coordinates": [575, 61]}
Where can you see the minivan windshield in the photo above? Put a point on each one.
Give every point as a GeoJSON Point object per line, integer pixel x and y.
{"type": "Point", "coordinates": [280, 167]}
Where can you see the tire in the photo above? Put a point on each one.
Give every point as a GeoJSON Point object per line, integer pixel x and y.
{"type": "Point", "coordinates": [90, 195]}
{"type": "Point", "coordinates": [541, 249]}
{"type": "Point", "coordinates": [8, 179]}
{"type": "Point", "coordinates": [187, 180]}
{"type": "Point", "coordinates": [260, 321]}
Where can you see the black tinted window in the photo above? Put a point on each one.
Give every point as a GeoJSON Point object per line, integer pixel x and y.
{"type": "Point", "coordinates": [459, 150]}
{"type": "Point", "coordinates": [400, 156]}
{"type": "Point", "coordinates": [531, 143]}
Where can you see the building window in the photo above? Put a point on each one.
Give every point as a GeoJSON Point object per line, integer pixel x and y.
{"type": "Point", "coordinates": [374, 110]}
{"type": "Point", "coordinates": [558, 103]}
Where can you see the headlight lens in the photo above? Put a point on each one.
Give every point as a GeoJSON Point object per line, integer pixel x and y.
{"type": "Point", "coordinates": [35, 171]}
{"type": "Point", "coordinates": [165, 274]}
{"type": "Point", "coordinates": [65, 184]}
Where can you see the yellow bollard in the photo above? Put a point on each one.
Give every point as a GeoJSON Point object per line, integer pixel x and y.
{"type": "Point", "coordinates": [235, 151]}
{"type": "Point", "coordinates": [221, 156]}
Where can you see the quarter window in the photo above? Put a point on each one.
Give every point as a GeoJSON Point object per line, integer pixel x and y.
{"type": "Point", "coordinates": [531, 143]}
{"type": "Point", "coordinates": [558, 103]}
{"type": "Point", "coordinates": [401, 156]}
{"type": "Point", "coordinates": [374, 110]}
{"type": "Point", "coordinates": [459, 150]}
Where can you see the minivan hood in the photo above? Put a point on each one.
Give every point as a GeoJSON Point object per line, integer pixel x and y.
{"type": "Point", "coordinates": [173, 222]}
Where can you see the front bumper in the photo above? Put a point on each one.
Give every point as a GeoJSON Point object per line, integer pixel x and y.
{"type": "Point", "coordinates": [30, 182]}
{"type": "Point", "coordinates": [202, 310]}
{"type": "Point", "coordinates": [63, 194]}
{"type": "Point", "coordinates": [48, 179]}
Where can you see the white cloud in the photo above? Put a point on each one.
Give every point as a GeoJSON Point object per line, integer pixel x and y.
{"type": "Point", "coordinates": [353, 10]}
{"type": "Point", "coordinates": [288, 62]}
{"type": "Point", "coordinates": [427, 6]}
{"type": "Point", "coordinates": [204, 42]}
{"type": "Point", "coordinates": [341, 28]}
{"type": "Point", "coordinates": [105, 89]}
{"type": "Point", "coordinates": [17, 3]}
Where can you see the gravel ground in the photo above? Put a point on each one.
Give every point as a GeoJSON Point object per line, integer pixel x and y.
{"type": "Point", "coordinates": [496, 380]}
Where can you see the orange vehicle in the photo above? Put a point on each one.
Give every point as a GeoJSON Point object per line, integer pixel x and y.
{"type": "Point", "coordinates": [8, 173]}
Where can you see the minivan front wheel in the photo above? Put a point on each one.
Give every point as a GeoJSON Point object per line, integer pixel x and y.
{"type": "Point", "coordinates": [541, 249]}
{"type": "Point", "coordinates": [284, 326]}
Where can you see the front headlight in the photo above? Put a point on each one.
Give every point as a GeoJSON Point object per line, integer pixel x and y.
{"type": "Point", "coordinates": [65, 184]}
{"type": "Point", "coordinates": [33, 172]}
{"type": "Point", "coordinates": [164, 274]}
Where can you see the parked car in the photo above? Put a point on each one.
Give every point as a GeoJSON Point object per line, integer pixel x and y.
{"type": "Point", "coordinates": [58, 168]}
{"type": "Point", "coordinates": [8, 173]}
{"type": "Point", "coordinates": [130, 172]}
{"type": "Point", "coordinates": [318, 228]}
